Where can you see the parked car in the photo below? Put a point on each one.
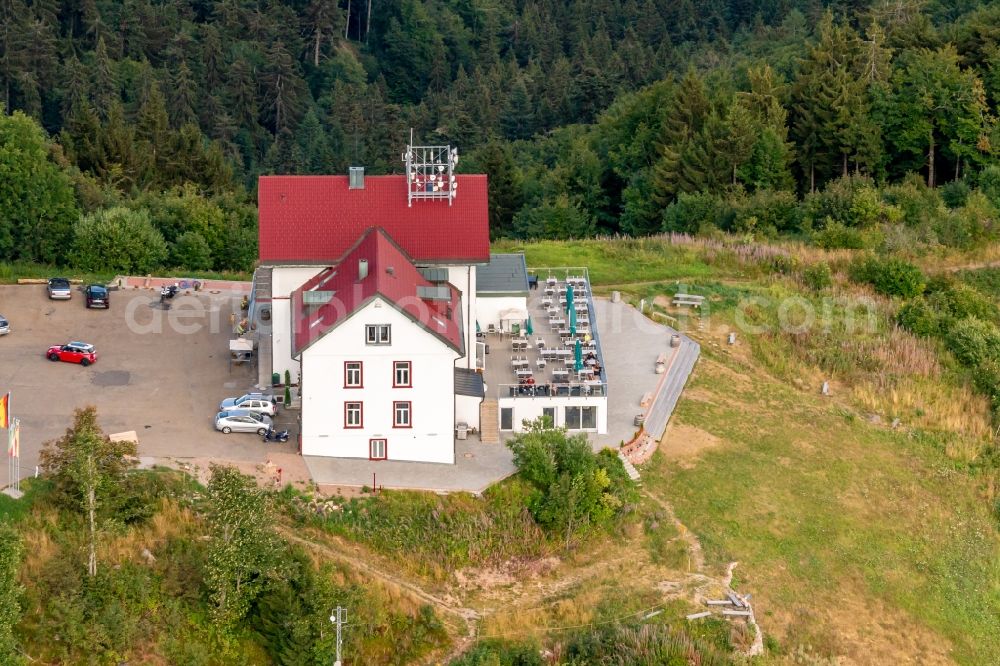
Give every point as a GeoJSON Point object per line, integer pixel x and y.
{"type": "Point", "coordinates": [242, 420]}
{"type": "Point", "coordinates": [4, 325]}
{"type": "Point", "coordinates": [255, 402]}
{"type": "Point", "coordinates": [97, 296]}
{"type": "Point", "coordinates": [73, 352]}
{"type": "Point", "coordinates": [59, 289]}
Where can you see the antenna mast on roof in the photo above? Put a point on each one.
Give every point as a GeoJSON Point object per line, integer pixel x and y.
{"type": "Point", "coordinates": [430, 172]}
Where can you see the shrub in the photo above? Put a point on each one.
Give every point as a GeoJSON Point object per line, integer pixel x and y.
{"type": "Point", "coordinates": [920, 318]}
{"type": "Point", "coordinates": [574, 489]}
{"type": "Point", "coordinates": [117, 240]}
{"type": "Point", "coordinates": [191, 251]}
{"type": "Point", "coordinates": [892, 277]}
{"type": "Point", "coordinates": [973, 341]}
{"type": "Point", "coordinates": [836, 236]}
{"type": "Point", "coordinates": [954, 193]}
{"type": "Point", "coordinates": [693, 212]}
{"type": "Point", "coordinates": [494, 652]}
{"type": "Point", "coordinates": [818, 276]}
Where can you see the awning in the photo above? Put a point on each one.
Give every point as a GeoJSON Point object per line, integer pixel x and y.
{"type": "Point", "coordinates": [514, 314]}
{"type": "Point", "coordinates": [241, 345]}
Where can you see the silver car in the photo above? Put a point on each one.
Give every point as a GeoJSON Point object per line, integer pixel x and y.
{"type": "Point", "coordinates": [255, 402]}
{"type": "Point", "coordinates": [4, 325]}
{"type": "Point", "coordinates": [242, 420]}
{"type": "Point", "coordinates": [59, 289]}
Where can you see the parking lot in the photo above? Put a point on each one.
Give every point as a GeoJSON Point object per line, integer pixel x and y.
{"type": "Point", "coordinates": [159, 372]}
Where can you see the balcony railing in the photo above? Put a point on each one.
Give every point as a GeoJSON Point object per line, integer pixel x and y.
{"type": "Point", "coordinates": [571, 390]}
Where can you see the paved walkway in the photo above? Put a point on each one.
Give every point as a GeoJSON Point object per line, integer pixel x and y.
{"type": "Point", "coordinates": [632, 343]}
{"type": "Point", "coordinates": [477, 467]}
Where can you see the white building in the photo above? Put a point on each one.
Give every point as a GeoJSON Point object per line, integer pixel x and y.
{"type": "Point", "coordinates": [369, 295]}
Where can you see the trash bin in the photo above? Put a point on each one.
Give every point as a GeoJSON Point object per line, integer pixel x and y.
{"type": "Point", "coordinates": [462, 430]}
{"type": "Point", "coordinates": [487, 349]}
{"type": "Point", "coordinates": [275, 379]}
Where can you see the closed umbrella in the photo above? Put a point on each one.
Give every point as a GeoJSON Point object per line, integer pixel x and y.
{"type": "Point", "coordinates": [572, 320]}
{"type": "Point", "coordinates": [569, 298]}
{"type": "Point", "coordinates": [529, 328]}
{"type": "Point", "coordinates": [578, 356]}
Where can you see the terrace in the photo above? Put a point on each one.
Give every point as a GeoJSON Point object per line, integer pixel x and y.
{"type": "Point", "coordinates": [551, 350]}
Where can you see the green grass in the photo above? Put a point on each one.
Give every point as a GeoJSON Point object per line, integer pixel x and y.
{"type": "Point", "coordinates": [614, 262]}
{"type": "Point", "coordinates": [435, 535]}
{"type": "Point", "coordinates": [822, 508]}
{"type": "Point", "coordinates": [986, 280]}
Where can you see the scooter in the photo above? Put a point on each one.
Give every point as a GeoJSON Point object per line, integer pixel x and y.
{"type": "Point", "coordinates": [273, 435]}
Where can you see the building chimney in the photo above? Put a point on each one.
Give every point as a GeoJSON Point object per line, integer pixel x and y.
{"type": "Point", "coordinates": [356, 178]}
{"type": "Point", "coordinates": [362, 269]}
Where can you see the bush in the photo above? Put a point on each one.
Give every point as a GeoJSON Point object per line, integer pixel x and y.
{"type": "Point", "coordinates": [191, 251]}
{"type": "Point", "coordinates": [693, 212]}
{"type": "Point", "coordinates": [118, 240]}
{"type": "Point", "coordinates": [836, 236]}
{"type": "Point", "coordinates": [574, 489]}
{"type": "Point", "coordinates": [920, 318]}
{"type": "Point", "coordinates": [818, 276]}
{"type": "Point", "coordinates": [974, 342]}
{"type": "Point", "coordinates": [892, 277]}
{"type": "Point", "coordinates": [494, 652]}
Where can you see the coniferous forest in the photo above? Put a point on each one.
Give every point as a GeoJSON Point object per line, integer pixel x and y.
{"type": "Point", "coordinates": [824, 120]}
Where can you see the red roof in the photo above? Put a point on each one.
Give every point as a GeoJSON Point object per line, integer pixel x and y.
{"type": "Point", "coordinates": [317, 219]}
{"type": "Point", "coordinates": [391, 275]}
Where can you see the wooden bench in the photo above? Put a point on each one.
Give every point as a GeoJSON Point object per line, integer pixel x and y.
{"type": "Point", "coordinates": [681, 300]}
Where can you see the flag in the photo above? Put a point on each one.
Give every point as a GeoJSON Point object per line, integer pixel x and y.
{"type": "Point", "coordinates": [14, 435]}
{"type": "Point", "coordinates": [5, 411]}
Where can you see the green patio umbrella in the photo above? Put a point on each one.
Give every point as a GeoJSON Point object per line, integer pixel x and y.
{"type": "Point", "coordinates": [478, 330]}
{"type": "Point", "coordinates": [572, 320]}
{"type": "Point", "coordinates": [569, 298]}
{"type": "Point", "coordinates": [529, 328]}
{"type": "Point", "coordinates": [578, 356]}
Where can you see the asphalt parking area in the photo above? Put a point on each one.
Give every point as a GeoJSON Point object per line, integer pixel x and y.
{"type": "Point", "coordinates": [161, 373]}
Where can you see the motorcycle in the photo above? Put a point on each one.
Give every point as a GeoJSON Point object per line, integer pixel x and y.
{"type": "Point", "coordinates": [168, 292]}
{"type": "Point", "coordinates": [273, 435]}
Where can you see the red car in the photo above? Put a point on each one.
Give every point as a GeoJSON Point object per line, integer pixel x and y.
{"type": "Point", "coordinates": [73, 352]}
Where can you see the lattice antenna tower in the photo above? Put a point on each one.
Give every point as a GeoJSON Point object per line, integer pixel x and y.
{"type": "Point", "coordinates": [430, 172]}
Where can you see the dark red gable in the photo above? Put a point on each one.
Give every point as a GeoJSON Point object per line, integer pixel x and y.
{"type": "Point", "coordinates": [390, 275]}
{"type": "Point", "coordinates": [306, 219]}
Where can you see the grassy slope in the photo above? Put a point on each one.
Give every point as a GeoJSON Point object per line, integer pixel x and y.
{"type": "Point", "coordinates": [836, 522]}
{"type": "Point", "coordinates": [856, 540]}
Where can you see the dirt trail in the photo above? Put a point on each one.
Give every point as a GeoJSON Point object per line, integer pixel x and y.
{"type": "Point", "coordinates": [527, 595]}
{"type": "Point", "coordinates": [469, 617]}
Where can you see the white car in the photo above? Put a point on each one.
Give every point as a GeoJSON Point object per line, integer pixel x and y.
{"type": "Point", "coordinates": [254, 402]}
{"type": "Point", "coordinates": [4, 325]}
{"type": "Point", "coordinates": [242, 420]}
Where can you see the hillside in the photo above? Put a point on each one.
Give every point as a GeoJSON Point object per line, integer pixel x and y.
{"type": "Point", "coordinates": [863, 522]}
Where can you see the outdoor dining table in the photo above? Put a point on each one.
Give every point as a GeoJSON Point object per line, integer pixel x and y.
{"type": "Point", "coordinates": [560, 375]}
{"type": "Point", "coordinates": [519, 345]}
{"type": "Point", "coordinates": [549, 291]}
{"type": "Point", "coordinates": [551, 280]}
{"type": "Point", "coordinates": [525, 372]}
{"type": "Point", "coordinates": [557, 321]}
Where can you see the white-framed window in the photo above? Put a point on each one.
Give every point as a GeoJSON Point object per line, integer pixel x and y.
{"type": "Point", "coordinates": [353, 414]}
{"type": "Point", "coordinates": [580, 418]}
{"type": "Point", "coordinates": [401, 414]}
{"type": "Point", "coordinates": [376, 449]}
{"type": "Point", "coordinates": [353, 374]}
{"type": "Point", "coordinates": [377, 334]}
{"type": "Point", "coordinates": [402, 376]}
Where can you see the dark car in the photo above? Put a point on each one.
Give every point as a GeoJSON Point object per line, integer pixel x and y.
{"type": "Point", "coordinates": [59, 289]}
{"type": "Point", "coordinates": [97, 296]}
{"type": "Point", "coordinates": [73, 352]}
